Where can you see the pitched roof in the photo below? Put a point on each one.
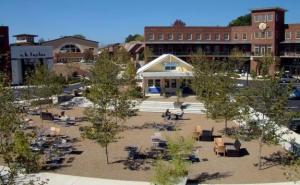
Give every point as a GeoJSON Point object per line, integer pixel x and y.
{"type": "Point", "coordinates": [70, 37]}
{"type": "Point", "coordinates": [160, 59]}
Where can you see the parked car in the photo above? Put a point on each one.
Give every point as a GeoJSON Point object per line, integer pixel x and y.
{"type": "Point", "coordinates": [294, 125]}
{"type": "Point", "coordinates": [295, 94]}
{"type": "Point", "coordinates": [286, 78]}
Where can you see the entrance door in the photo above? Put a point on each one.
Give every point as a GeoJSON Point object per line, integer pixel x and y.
{"type": "Point", "coordinates": [170, 86]}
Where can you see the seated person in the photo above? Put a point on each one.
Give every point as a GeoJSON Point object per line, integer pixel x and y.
{"type": "Point", "coordinates": [168, 114]}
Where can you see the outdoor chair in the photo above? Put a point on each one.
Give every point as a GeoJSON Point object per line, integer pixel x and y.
{"type": "Point", "coordinates": [219, 150]}
{"type": "Point", "coordinates": [197, 133]}
{"type": "Point", "coordinates": [233, 149]}
{"type": "Point", "coordinates": [207, 135]}
{"type": "Point", "coordinates": [219, 146]}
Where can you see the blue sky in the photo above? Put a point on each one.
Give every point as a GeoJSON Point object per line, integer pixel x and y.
{"type": "Point", "coordinates": [109, 21]}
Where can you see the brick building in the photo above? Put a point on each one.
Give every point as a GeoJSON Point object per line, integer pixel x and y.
{"type": "Point", "coordinates": [4, 50]}
{"type": "Point", "coordinates": [267, 33]}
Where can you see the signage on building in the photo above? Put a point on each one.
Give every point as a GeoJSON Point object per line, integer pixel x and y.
{"type": "Point", "coordinates": [20, 52]}
{"type": "Point", "coordinates": [31, 54]}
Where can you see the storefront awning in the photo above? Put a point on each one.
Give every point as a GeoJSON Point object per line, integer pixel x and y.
{"type": "Point", "coordinates": [167, 74]}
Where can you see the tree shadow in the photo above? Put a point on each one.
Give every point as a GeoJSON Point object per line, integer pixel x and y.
{"type": "Point", "coordinates": [168, 126]}
{"type": "Point", "coordinates": [205, 176]}
{"type": "Point", "coordinates": [275, 159]}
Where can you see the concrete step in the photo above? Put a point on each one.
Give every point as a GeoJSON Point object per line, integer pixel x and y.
{"type": "Point", "coordinates": [157, 106]}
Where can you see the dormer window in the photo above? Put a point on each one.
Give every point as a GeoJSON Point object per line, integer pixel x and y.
{"type": "Point", "coordinates": [170, 66]}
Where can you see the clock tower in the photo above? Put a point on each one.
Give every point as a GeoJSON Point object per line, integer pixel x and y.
{"type": "Point", "coordinates": [268, 32]}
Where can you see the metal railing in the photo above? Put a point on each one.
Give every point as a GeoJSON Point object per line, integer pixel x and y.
{"type": "Point", "coordinates": [246, 54]}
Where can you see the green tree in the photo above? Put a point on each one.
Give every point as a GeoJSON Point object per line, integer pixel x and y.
{"type": "Point", "coordinates": [14, 145]}
{"type": "Point", "coordinates": [135, 37]}
{"type": "Point", "coordinates": [215, 85]}
{"type": "Point", "coordinates": [268, 99]}
{"type": "Point", "coordinates": [41, 40]}
{"type": "Point", "coordinates": [172, 171]}
{"type": "Point", "coordinates": [81, 36]}
{"type": "Point", "coordinates": [244, 20]}
{"type": "Point", "coordinates": [111, 105]}
{"type": "Point", "coordinates": [147, 54]}
{"type": "Point", "coordinates": [88, 55]}
{"type": "Point", "coordinates": [223, 105]}
{"type": "Point", "coordinates": [43, 84]}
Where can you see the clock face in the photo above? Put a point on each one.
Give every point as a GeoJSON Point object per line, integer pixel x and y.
{"type": "Point", "coordinates": [262, 26]}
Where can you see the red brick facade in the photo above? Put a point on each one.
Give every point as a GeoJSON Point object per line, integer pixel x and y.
{"type": "Point", "coordinates": [4, 51]}
{"type": "Point", "coordinates": [266, 34]}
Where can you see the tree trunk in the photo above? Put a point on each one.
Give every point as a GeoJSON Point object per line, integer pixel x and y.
{"type": "Point", "coordinates": [260, 149]}
{"type": "Point", "coordinates": [226, 126]}
{"type": "Point", "coordinates": [106, 153]}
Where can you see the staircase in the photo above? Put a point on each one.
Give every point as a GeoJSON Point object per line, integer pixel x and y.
{"type": "Point", "coordinates": [158, 106]}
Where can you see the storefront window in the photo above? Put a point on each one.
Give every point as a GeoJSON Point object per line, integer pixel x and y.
{"type": "Point", "coordinates": [150, 83]}
{"type": "Point", "coordinates": [173, 83]}
{"type": "Point", "coordinates": [170, 66]}
{"type": "Point", "coordinates": [157, 83]}
{"type": "Point", "coordinates": [167, 83]}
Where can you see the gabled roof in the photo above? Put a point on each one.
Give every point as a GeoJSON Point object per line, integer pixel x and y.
{"type": "Point", "coordinates": [71, 37]}
{"type": "Point", "coordinates": [160, 59]}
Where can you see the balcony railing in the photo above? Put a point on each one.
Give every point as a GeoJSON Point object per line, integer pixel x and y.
{"type": "Point", "coordinates": [290, 54]}
{"type": "Point", "coordinates": [245, 54]}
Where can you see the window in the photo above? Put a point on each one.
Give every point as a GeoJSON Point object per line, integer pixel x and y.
{"type": "Point", "coordinates": [269, 17]}
{"type": "Point", "coordinates": [269, 34]}
{"type": "Point", "coordinates": [217, 49]}
{"type": "Point", "coordinates": [297, 35]}
{"type": "Point", "coordinates": [170, 36]}
{"type": "Point", "coordinates": [70, 48]}
{"type": "Point", "coordinates": [157, 83]}
{"type": "Point", "coordinates": [150, 36]}
{"type": "Point", "coordinates": [236, 36]}
{"type": "Point", "coordinates": [297, 50]}
{"type": "Point", "coordinates": [189, 36]}
{"type": "Point", "coordinates": [173, 83]}
{"type": "Point", "coordinates": [150, 83]}
{"type": "Point", "coordinates": [217, 36]}
{"type": "Point", "coordinates": [160, 36]}
{"type": "Point", "coordinates": [244, 36]}
{"type": "Point", "coordinates": [262, 35]}
{"type": "Point", "coordinates": [179, 36]}
{"type": "Point", "coordinates": [226, 36]}
{"type": "Point", "coordinates": [288, 35]}
{"type": "Point", "coordinates": [207, 36]}
{"type": "Point", "coordinates": [198, 36]}
{"type": "Point", "coordinates": [256, 50]}
{"type": "Point", "coordinates": [260, 18]}
{"type": "Point", "coordinates": [170, 66]}
{"type": "Point", "coordinates": [167, 83]}
{"type": "Point", "coordinates": [269, 49]}
{"type": "Point", "coordinates": [207, 49]}
{"type": "Point", "coordinates": [255, 18]}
